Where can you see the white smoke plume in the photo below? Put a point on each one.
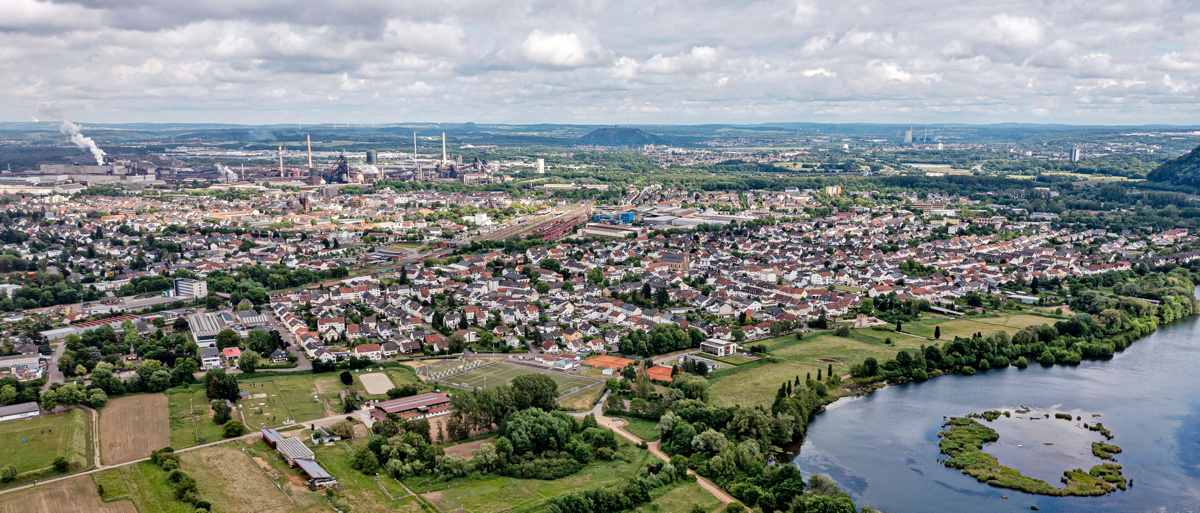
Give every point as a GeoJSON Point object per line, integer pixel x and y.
{"type": "Point", "coordinates": [227, 175]}
{"type": "Point", "coordinates": [366, 169]}
{"type": "Point", "coordinates": [72, 130]}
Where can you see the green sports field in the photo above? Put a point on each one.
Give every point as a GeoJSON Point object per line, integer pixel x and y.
{"type": "Point", "coordinates": [497, 373]}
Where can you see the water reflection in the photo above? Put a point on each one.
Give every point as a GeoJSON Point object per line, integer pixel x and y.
{"type": "Point", "coordinates": [883, 449]}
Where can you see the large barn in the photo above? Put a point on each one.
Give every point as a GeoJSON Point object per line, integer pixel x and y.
{"type": "Point", "coordinates": [413, 407]}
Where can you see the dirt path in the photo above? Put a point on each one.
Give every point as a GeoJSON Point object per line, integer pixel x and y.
{"type": "Point", "coordinates": [95, 435]}
{"type": "Point", "coordinates": [617, 427]}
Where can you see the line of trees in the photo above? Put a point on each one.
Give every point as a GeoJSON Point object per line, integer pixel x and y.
{"type": "Point", "coordinates": [535, 442]}
{"type": "Point", "coordinates": [730, 445]}
{"type": "Point", "coordinates": [1103, 324]}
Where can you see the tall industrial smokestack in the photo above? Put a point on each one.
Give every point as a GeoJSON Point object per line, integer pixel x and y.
{"type": "Point", "coordinates": [280, 160]}
{"type": "Point", "coordinates": [443, 146]}
{"type": "Point", "coordinates": [309, 138]}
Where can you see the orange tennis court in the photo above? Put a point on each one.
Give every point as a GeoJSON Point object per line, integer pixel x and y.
{"type": "Point", "coordinates": [608, 362]}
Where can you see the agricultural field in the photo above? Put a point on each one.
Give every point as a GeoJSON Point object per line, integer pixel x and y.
{"type": "Point", "coordinates": [231, 481]}
{"type": "Point", "coordinates": [502, 374]}
{"type": "Point", "coordinates": [75, 495]}
{"type": "Point", "coordinates": [362, 493]}
{"type": "Point", "coordinates": [131, 427]}
{"type": "Point", "coordinates": [31, 445]}
{"type": "Point", "coordinates": [493, 493]}
{"type": "Point", "coordinates": [191, 418]}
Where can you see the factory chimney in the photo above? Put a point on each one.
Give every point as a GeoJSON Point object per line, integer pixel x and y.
{"type": "Point", "coordinates": [281, 160]}
{"type": "Point", "coordinates": [443, 146]}
{"type": "Point", "coordinates": [308, 137]}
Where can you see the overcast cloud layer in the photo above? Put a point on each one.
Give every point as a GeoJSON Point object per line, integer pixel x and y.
{"type": "Point", "coordinates": [608, 62]}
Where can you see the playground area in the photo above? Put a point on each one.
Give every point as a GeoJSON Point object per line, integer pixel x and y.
{"type": "Point", "coordinates": [497, 373]}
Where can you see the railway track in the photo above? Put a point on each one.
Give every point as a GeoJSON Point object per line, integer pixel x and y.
{"type": "Point", "coordinates": [531, 224]}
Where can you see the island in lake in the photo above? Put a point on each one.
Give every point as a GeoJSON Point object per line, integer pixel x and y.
{"type": "Point", "coordinates": [963, 440]}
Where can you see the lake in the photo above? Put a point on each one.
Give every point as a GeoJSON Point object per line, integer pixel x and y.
{"type": "Point", "coordinates": [883, 448]}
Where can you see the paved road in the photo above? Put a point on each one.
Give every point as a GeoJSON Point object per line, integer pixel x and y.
{"type": "Point", "coordinates": [53, 374]}
{"type": "Point", "coordinates": [618, 427]}
{"type": "Point", "coordinates": [293, 345]}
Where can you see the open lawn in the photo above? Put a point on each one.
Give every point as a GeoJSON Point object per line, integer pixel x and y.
{"type": "Point", "coordinates": [502, 374]}
{"type": "Point", "coordinates": [191, 418]}
{"type": "Point", "coordinates": [641, 428]}
{"type": "Point", "coordinates": [403, 375]}
{"type": "Point", "coordinates": [327, 387]}
{"type": "Point", "coordinates": [734, 359]}
{"type": "Point", "coordinates": [298, 391]}
{"type": "Point", "coordinates": [817, 351]}
{"type": "Point", "coordinates": [756, 386]}
{"type": "Point", "coordinates": [968, 326]}
{"type": "Point", "coordinates": [680, 497]}
{"type": "Point", "coordinates": [272, 400]}
{"type": "Point", "coordinates": [31, 445]}
{"type": "Point", "coordinates": [264, 407]}
{"type": "Point", "coordinates": [131, 427]}
{"type": "Point", "coordinates": [494, 493]}
{"type": "Point", "coordinates": [231, 481]}
{"type": "Point", "coordinates": [76, 495]}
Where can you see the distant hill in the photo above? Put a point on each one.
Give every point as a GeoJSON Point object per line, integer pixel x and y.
{"type": "Point", "coordinates": [631, 137]}
{"type": "Point", "coordinates": [1182, 170]}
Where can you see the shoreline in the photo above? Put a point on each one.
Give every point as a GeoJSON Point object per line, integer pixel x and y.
{"type": "Point", "coordinates": [793, 450]}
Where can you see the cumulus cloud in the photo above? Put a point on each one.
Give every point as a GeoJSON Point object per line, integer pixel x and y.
{"type": "Point", "coordinates": [615, 61]}
{"type": "Point", "coordinates": [805, 12]}
{"type": "Point", "coordinates": [1012, 31]}
{"type": "Point", "coordinates": [555, 49]}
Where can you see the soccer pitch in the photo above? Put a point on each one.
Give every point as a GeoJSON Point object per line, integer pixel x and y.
{"type": "Point", "coordinates": [497, 373]}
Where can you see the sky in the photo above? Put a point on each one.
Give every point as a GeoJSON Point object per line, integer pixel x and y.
{"type": "Point", "coordinates": [602, 61]}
